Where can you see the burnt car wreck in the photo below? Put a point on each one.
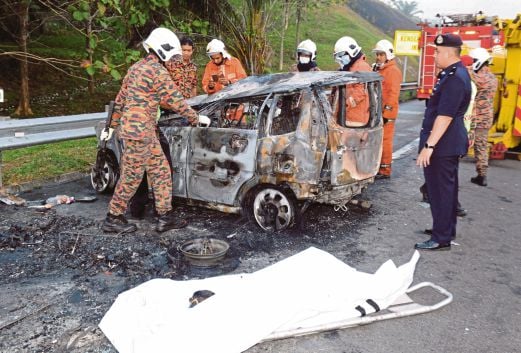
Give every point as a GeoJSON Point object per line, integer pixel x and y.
{"type": "Point", "coordinates": [276, 144]}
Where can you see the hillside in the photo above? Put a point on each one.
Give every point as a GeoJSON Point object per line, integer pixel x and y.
{"type": "Point", "coordinates": [325, 26]}
{"type": "Point", "coordinates": [382, 16]}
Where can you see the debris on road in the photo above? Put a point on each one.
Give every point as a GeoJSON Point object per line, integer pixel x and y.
{"type": "Point", "coordinates": [59, 200]}
{"type": "Point", "coordinates": [10, 199]}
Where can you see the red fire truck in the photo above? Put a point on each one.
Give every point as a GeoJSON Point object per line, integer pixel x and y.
{"type": "Point", "coordinates": [474, 30]}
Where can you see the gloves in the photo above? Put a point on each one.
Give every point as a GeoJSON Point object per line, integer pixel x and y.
{"type": "Point", "coordinates": [204, 121]}
{"type": "Point", "coordinates": [106, 134]}
{"type": "Point", "coordinates": [352, 102]}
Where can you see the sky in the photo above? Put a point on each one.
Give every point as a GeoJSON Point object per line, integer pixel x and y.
{"type": "Point", "coordinates": [503, 8]}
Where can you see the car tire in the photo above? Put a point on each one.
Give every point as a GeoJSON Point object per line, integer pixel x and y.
{"type": "Point", "coordinates": [272, 208]}
{"type": "Point", "coordinates": [108, 177]}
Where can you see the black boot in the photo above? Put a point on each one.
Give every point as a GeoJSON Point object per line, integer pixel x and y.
{"type": "Point", "coordinates": [117, 224]}
{"type": "Point", "coordinates": [170, 221]}
{"type": "Point", "coordinates": [425, 195]}
{"type": "Point", "coordinates": [479, 180]}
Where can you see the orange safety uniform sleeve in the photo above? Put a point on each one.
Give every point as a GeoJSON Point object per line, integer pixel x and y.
{"type": "Point", "coordinates": [231, 69]}
{"type": "Point", "coordinates": [357, 94]}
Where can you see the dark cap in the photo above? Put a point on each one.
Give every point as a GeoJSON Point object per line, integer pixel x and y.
{"type": "Point", "coordinates": [448, 40]}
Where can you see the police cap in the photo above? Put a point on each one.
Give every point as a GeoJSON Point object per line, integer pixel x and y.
{"type": "Point", "coordinates": [448, 40]}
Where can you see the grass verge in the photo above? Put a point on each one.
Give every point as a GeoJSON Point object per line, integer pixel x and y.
{"type": "Point", "coordinates": [47, 161]}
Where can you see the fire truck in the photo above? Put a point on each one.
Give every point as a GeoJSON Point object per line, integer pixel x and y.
{"type": "Point", "coordinates": [503, 39]}
{"type": "Point", "coordinates": [475, 31]}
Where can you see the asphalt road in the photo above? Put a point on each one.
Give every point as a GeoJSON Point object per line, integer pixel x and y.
{"type": "Point", "coordinates": [482, 271]}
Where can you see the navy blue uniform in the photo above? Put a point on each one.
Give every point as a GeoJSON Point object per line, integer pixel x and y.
{"type": "Point", "coordinates": [450, 97]}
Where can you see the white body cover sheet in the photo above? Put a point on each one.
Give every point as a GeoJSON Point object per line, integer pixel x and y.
{"type": "Point", "coordinates": [304, 290]}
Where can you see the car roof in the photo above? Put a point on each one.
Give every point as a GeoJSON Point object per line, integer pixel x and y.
{"type": "Point", "coordinates": [288, 82]}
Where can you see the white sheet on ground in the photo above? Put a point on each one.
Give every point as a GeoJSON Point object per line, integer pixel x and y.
{"type": "Point", "coordinates": [310, 288]}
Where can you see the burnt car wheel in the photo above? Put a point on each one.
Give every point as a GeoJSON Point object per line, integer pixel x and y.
{"type": "Point", "coordinates": [273, 209]}
{"type": "Point", "coordinates": [104, 181]}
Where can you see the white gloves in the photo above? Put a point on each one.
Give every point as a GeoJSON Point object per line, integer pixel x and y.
{"type": "Point", "coordinates": [204, 121]}
{"type": "Point", "coordinates": [106, 134]}
{"type": "Point", "coordinates": [352, 102]}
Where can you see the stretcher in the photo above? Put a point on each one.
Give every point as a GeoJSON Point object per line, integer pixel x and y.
{"type": "Point", "coordinates": [402, 307]}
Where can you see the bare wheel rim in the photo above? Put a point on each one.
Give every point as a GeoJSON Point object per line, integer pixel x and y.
{"type": "Point", "coordinates": [272, 210]}
{"type": "Point", "coordinates": [104, 180]}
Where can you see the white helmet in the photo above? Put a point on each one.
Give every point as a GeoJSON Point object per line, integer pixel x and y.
{"type": "Point", "coordinates": [348, 45]}
{"type": "Point", "coordinates": [386, 47]}
{"type": "Point", "coordinates": [307, 47]}
{"type": "Point", "coordinates": [215, 46]}
{"type": "Point", "coordinates": [480, 56]}
{"type": "Point", "coordinates": [164, 43]}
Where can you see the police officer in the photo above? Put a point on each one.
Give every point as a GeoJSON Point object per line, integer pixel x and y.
{"type": "Point", "coordinates": [443, 139]}
{"type": "Point", "coordinates": [146, 87]}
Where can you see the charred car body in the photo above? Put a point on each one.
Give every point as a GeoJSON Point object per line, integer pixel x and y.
{"type": "Point", "coordinates": [276, 144]}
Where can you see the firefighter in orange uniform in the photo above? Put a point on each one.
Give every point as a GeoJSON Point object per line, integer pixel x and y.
{"type": "Point", "coordinates": [222, 70]}
{"type": "Point", "coordinates": [392, 79]}
{"type": "Point", "coordinates": [348, 54]}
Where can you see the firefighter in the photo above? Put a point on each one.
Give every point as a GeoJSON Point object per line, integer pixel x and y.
{"type": "Point", "coordinates": [348, 54]}
{"type": "Point", "coordinates": [306, 57]}
{"type": "Point", "coordinates": [184, 74]}
{"type": "Point", "coordinates": [183, 70]}
{"type": "Point", "coordinates": [146, 87]}
{"type": "Point", "coordinates": [483, 113]}
{"type": "Point", "coordinates": [443, 140]}
{"type": "Point", "coordinates": [392, 79]}
{"type": "Point", "coordinates": [222, 70]}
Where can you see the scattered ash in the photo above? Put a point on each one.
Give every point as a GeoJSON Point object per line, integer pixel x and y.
{"type": "Point", "coordinates": [66, 265]}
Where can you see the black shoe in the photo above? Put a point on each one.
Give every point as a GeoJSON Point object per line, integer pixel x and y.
{"type": "Point", "coordinates": [170, 221]}
{"type": "Point", "coordinates": [382, 176]}
{"type": "Point", "coordinates": [425, 196]}
{"type": "Point", "coordinates": [461, 212]}
{"type": "Point", "coordinates": [117, 224]}
{"type": "Point", "coordinates": [479, 180]}
{"type": "Point", "coordinates": [429, 232]}
{"type": "Point", "coordinates": [431, 245]}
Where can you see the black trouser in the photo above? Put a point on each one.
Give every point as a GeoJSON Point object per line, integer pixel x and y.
{"type": "Point", "coordinates": [140, 199]}
{"type": "Point", "coordinates": [441, 177]}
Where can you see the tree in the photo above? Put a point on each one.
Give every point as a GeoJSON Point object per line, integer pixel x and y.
{"type": "Point", "coordinates": [245, 28]}
{"type": "Point", "coordinates": [286, 6]}
{"type": "Point", "coordinates": [408, 8]}
{"type": "Point", "coordinates": [20, 11]}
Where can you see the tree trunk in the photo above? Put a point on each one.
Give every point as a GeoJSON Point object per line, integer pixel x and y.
{"type": "Point", "coordinates": [24, 108]}
{"type": "Point", "coordinates": [89, 50]}
{"type": "Point", "coordinates": [285, 20]}
{"type": "Point", "coordinates": [300, 8]}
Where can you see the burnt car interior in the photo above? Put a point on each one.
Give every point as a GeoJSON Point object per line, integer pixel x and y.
{"type": "Point", "coordinates": [338, 95]}
{"type": "Point", "coordinates": [286, 114]}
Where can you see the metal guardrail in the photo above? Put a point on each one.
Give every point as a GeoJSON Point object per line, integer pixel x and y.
{"type": "Point", "coordinates": [406, 86]}
{"type": "Point", "coordinates": [30, 132]}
